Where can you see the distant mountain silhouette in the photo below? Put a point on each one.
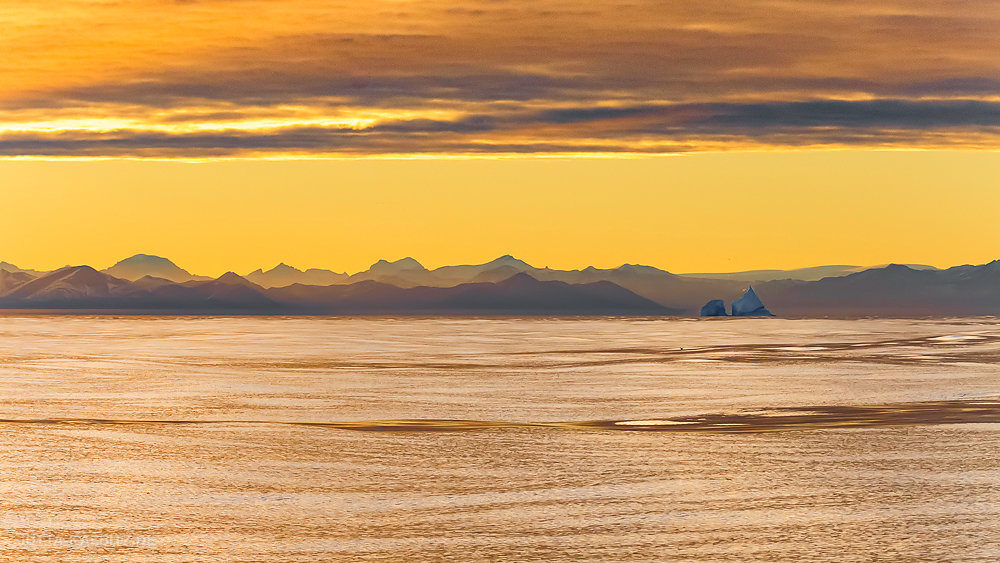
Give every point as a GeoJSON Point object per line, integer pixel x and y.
{"type": "Point", "coordinates": [804, 274]}
{"type": "Point", "coordinates": [7, 266]}
{"type": "Point", "coordinates": [502, 286]}
{"type": "Point", "coordinates": [495, 270]}
{"type": "Point", "coordinates": [228, 291]}
{"type": "Point", "coordinates": [150, 283]}
{"type": "Point", "coordinates": [82, 287]}
{"type": "Point", "coordinates": [11, 280]}
{"type": "Point", "coordinates": [672, 291]}
{"type": "Point", "coordinates": [497, 274]}
{"type": "Point", "coordinates": [520, 294]}
{"type": "Point", "coordinates": [667, 289]}
{"type": "Point", "coordinates": [405, 272]}
{"type": "Point", "coordinates": [283, 274]}
{"type": "Point", "coordinates": [141, 265]}
{"type": "Point", "coordinates": [895, 290]}
{"type": "Point", "coordinates": [229, 279]}
{"type": "Point", "coordinates": [410, 273]}
{"type": "Point", "coordinates": [73, 287]}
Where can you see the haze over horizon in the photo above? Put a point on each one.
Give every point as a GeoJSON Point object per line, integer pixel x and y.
{"type": "Point", "coordinates": [507, 286]}
{"type": "Point", "coordinates": [696, 213]}
{"type": "Point", "coordinates": [139, 260]}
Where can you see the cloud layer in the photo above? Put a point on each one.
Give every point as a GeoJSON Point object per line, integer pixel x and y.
{"type": "Point", "coordinates": [205, 78]}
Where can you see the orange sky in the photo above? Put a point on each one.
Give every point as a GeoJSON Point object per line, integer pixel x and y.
{"type": "Point", "coordinates": [703, 212]}
{"type": "Point", "coordinates": [203, 78]}
{"type": "Point", "coordinates": [809, 132]}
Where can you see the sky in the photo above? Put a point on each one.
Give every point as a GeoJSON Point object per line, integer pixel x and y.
{"type": "Point", "coordinates": [690, 135]}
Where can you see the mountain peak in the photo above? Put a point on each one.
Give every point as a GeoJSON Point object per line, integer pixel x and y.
{"type": "Point", "coordinates": [146, 259]}
{"type": "Point", "coordinates": [70, 282]}
{"type": "Point", "coordinates": [519, 279]}
{"type": "Point", "coordinates": [284, 275]}
{"type": "Point", "coordinates": [901, 269]}
{"type": "Point", "coordinates": [140, 265]}
{"type": "Point", "coordinates": [85, 269]}
{"type": "Point", "coordinates": [232, 278]}
{"type": "Point", "coordinates": [641, 269]}
{"type": "Point", "coordinates": [398, 265]}
{"type": "Point", "coordinates": [283, 268]}
{"type": "Point", "coordinates": [508, 260]}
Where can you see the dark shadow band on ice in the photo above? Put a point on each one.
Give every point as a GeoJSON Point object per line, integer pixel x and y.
{"type": "Point", "coordinates": [978, 411]}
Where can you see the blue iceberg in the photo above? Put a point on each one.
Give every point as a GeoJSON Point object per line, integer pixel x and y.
{"type": "Point", "coordinates": [750, 306]}
{"type": "Point", "coordinates": [714, 308]}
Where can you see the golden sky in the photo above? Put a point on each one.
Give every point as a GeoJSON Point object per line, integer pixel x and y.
{"type": "Point", "coordinates": [813, 131]}
{"type": "Point", "coordinates": [197, 78]}
{"type": "Point", "coordinates": [699, 212]}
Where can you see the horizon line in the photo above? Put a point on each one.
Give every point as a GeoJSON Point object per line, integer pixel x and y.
{"type": "Point", "coordinates": [512, 256]}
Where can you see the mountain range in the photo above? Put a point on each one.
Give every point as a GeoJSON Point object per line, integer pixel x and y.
{"type": "Point", "coordinates": [894, 290]}
{"type": "Point", "coordinates": [804, 274]}
{"type": "Point", "coordinates": [142, 265]}
{"type": "Point", "coordinates": [83, 287]}
{"type": "Point", "coordinates": [506, 285]}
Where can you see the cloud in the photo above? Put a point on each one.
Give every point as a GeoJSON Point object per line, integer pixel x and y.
{"type": "Point", "coordinates": [631, 129]}
{"type": "Point", "coordinates": [274, 87]}
{"type": "Point", "coordinates": [871, 114]}
{"type": "Point", "coordinates": [613, 76]}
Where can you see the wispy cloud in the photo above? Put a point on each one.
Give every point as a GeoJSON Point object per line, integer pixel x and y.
{"type": "Point", "coordinates": [213, 77]}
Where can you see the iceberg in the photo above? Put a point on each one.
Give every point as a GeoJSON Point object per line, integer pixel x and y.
{"type": "Point", "coordinates": [750, 306]}
{"type": "Point", "coordinates": [714, 308]}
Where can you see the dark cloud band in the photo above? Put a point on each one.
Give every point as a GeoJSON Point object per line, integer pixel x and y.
{"type": "Point", "coordinates": [603, 129]}
{"type": "Point", "coordinates": [167, 78]}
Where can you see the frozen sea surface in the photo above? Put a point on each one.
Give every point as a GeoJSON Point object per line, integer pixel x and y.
{"type": "Point", "coordinates": [620, 439]}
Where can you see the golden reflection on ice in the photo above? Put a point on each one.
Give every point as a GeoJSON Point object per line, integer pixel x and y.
{"type": "Point", "coordinates": [274, 439]}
